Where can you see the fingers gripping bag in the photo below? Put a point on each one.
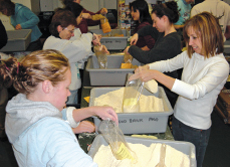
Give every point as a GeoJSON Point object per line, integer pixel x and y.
{"type": "Point", "coordinates": [115, 138]}
{"type": "Point", "coordinates": [131, 97]}
{"type": "Point", "coordinates": [101, 56]}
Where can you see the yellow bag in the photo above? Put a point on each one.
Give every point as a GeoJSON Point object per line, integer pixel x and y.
{"type": "Point", "coordinates": [105, 25]}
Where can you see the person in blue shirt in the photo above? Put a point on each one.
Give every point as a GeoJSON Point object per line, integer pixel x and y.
{"type": "Point", "coordinates": [38, 125]}
{"type": "Point", "coordinates": [184, 7]}
{"type": "Point", "coordinates": [22, 17]}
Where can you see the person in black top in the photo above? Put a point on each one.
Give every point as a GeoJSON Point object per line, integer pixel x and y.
{"type": "Point", "coordinates": [168, 43]}
{"type": "Point", "coordinates": [4, 38]}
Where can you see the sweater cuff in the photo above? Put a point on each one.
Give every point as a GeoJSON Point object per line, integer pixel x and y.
{"type": "Point", "coordinates": [70, 119]}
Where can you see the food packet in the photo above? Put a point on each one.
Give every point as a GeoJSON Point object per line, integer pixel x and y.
{"type": "Point", "coordinates": [127, 62]}
{"type": "Point", "coordinates": [114, 136]}
{"type": "Point", "coordinates": [131, 97]}
{"type": "Point", "coordinates": [127, 58]}
{"type": "Point", "coordinates": [105, 25]}
{"type": "Point", "coordinates": [101, 56]}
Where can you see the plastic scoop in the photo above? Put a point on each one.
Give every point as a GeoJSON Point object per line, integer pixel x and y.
{"type": "Point", "coordinates": [132, 94]}
{"type": "Point", "coordinates": [114, 136]}
{"type": "Point", "coordinates": [162, 156]}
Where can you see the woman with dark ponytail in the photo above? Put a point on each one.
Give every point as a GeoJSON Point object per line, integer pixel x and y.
{"type": "Point", "coordinates": [168, 43]}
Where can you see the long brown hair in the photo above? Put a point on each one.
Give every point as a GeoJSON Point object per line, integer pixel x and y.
{"type": "Point", "coordinates": [207, 27]}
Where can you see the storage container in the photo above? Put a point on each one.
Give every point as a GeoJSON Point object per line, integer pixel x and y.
{"type": "Point", "coordinates": [113, 75]}
{"type": "Point", "coordinates": [137, 123]}
{"type": "Point", "coordinates": [185, 147]}
{"type": "Point", "coordinates": [18, 40]}
{"type": "Point", "coordinates": [112, 40]}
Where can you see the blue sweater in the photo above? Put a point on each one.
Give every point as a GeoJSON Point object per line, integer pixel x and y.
{"type": "Point", "coordinates": [27, 19]}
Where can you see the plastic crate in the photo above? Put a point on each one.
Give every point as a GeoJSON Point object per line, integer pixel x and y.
{"type": "Point", "coordinates": [184, 147]}
{"type": "Point", "coordinates": [137, 123]}
{"type": "Point", "coordinates": [18, 40]}
{"type": "Point", "coordinates": [113, 42]}
{"type": "Point", "coordinates": [113, 75]}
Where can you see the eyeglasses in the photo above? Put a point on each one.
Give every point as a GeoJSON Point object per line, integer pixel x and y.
{"type": "Point", "coordinates": [71, 31]}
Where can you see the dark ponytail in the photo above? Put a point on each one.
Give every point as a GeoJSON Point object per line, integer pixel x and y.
{"type": "Point", "coordinates": [169, 9]}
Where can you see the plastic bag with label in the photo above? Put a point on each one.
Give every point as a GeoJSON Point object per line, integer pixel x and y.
{"type": "Point", "coordinates": [105, 25]}
{"type": "Point", "coordinates": [101, 56]}
{"type": "Point", "coordinates": [127, 61]}
{"type": "Point", "coordinates": [131, 97]}
{"type": "Point", "coordinates": [114, 136]}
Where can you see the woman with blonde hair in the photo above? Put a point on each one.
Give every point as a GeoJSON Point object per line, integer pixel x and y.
{"type": "Point", "coordinates": [205, 71]}
{"type": "Point", "coordinates": [37, 123]}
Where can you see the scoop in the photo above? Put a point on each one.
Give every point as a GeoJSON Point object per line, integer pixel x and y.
{"type": "Point", "coordinates": [114, 136]}
{"type": "Point", "coordinates": [162, 156]}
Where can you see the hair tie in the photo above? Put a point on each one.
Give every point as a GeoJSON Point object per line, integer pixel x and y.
{"type": "Point", "coordinates": [18, 68]}
{"type": "Point", "coordinates": [7, 68]}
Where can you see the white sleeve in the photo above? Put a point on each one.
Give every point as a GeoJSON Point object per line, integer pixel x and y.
{"type": "Point", "coordinates": [70, 119]}
{"type": "Point", "coordinates": [216, 75]}
{"type": "Point", "coordinates": [170, 64]}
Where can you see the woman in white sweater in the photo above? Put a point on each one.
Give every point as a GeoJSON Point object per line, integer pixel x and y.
{"type": "Point", "coordinates": [205, 72]}
{"type": "Point", "coordinates": [77, 47]}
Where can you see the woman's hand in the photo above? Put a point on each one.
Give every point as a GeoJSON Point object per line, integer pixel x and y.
{"type": "Point", "coordinates": [18, 27]}
{"type": "Point", "coordinates": [86, 16]}
{"type": "Point", "coordinates": [96, 39]}
{"type": "Point", "coordinates": [143, 73]}
{"type": "Point", "coordinates": [106, 112]}
{"type": "Point", "coordinates": [134, 39]}
{"type": "Point", "coordinates": [104, 11]}
{"type": "Point", "coordinates": [126, 50]}
{"type": "Point", "coordinates": [84, 126]}
{"type": "Point", "coordinates": [104, 49]}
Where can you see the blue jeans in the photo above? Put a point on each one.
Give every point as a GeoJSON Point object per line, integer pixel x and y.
{"type": "Point", "coordinates": [198, 137]}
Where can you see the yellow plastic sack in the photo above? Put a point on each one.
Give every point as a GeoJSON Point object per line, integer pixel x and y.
{"type": "Point", "coordinates": [105, 25]}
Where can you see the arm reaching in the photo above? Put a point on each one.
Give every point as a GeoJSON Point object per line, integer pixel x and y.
{"type": "Point", "coordinates": [145, 74]}
{"type": "Point", "coordinates": [104, 112]}
{"type": "Point", "coordinates": [134, 39]}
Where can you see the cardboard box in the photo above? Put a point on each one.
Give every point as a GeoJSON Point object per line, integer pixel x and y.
{"type": "Point", "coordinates": [137, 123]}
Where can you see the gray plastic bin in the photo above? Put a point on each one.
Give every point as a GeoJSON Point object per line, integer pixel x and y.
{"type": "Point", "coordinates": [185, 147]}
{"type": "Point", "coordinates": [113, 75]}
{"type": "Point", "coordinates": [113, 42]}
{"type": "Point", "coordinates": [136, 123]}
{"type": "Point", "coordinates": [18, 40]}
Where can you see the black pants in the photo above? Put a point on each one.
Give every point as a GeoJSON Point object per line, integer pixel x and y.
{"type": "Point", "coordinates": [33, 46]}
